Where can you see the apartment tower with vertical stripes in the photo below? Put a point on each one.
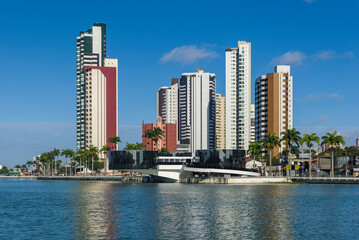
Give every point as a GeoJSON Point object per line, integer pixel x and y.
{"type": "Point", "coordinates": [97, 89]}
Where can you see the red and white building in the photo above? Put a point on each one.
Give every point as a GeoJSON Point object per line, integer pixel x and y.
{"type": "Point", "coordinates": [101, 100]}
{"type": "Point", "coordinates": [169, 139]}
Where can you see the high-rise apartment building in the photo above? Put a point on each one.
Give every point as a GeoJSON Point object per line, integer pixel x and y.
{"type": "Point", "coordinates": [274, 103]}
{"type": "Point", "coordinates": [167, 102]}
{"type": "Point", "coordinates": [253, 123]}
{"type": "Point", "coordinates": [96, 89]}
{"type": "Point", "coordinates": [197, 110]}
{"type": "Point", "coordinates": [220, 121]}
{"type": "Point", "coordinates": [238, 96]}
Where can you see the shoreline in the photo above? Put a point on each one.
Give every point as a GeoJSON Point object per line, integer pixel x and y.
{"type": "Point", "coordinates": [197, 180]}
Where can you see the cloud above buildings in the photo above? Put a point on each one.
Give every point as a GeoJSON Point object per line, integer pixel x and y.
{"type": "Point", "coordinates": [298, 57]}
{"type": "Point", "coordinates": [291, 58]}
{"type": "Point", "coordinates": [311, 97]}
{"type": "Point", "coordinates": [188, 54]}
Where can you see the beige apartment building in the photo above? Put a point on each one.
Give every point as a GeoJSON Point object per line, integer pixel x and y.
{"type": "Point", "coordinates": [220, 121]}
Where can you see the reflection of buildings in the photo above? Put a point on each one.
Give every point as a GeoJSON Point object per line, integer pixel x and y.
{"type": "Point", "coordinates": [95, 214]}
{"type": "Point", "coordinates": [168, 140]}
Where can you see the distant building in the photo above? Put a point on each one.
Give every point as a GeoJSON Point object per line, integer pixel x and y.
{"type": "Point", "coordinates": [357, 142]}
{"type": "Point", "coordinates": [169, 139]}
{"type": "Point", "coordinates": [274, 103]}
{"type": "Point", "coordinates": [197, 110]}
{"type": "Point", "coordinates": [238, 96]}
{"type": "Point", "coordinates": [253, 123]}
{"type": "Point", "coordinates": [220, 122]}
{"type": "Point", "coordinates": [167, 102]}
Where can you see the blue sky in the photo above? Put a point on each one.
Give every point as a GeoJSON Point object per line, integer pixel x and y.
{"type": "Point", "coordinates": [157, 40]}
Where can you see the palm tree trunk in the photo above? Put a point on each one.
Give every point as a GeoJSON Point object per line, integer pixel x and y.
{"type": "Point", "coordinates": [310, 162]}
{"type": "Point", "coordinates": [290, 163]}
{"type": "Point", "coordinates": [270, 162]}
{"type": "Point", "coordinates": [66, 167]}
{"type": "Point", "coordinates": [332, 166]}
{"type": "Point", "coordinates": [92, 165]}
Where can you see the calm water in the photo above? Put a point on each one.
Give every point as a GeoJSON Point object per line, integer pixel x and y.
{"type": "Point", "coordinates": [100, 210]}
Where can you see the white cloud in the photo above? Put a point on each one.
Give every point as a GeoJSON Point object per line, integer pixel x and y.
{"type": "Point", "coordinates": [298, 57]}
{"type": "Point", "coordinates": [321, 119]}
{"type": "Point", "coordinates": [320, 96]}
{"type": "Point", "coordinates": [329, 54]}
{"type": "Point", "coordinates": [291, 58]}
{"type": "Point", "coordinates": [188, 54]}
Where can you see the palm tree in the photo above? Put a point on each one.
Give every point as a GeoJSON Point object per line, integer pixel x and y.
{"type": "Point", "coordinates": [269, 142]}
{"type": "Point", "coordinates": [255, 150]}
{"type": "Point", "coordinates": [105, 149]}
{"type": "Point", "coordinates": [114, 141]}
{"type": "Point", "coordinates": [29, 164]}
{"type": "Point", "coordinates": [290, 137]}
{"type": "Point", "coordinates": [308, 140]}
{"type": "Point", "coordinates": [56, 153]}
{"type": "Point", "coordinates": [68, 153]}
{"type": "Point", "coordinates": [80, 154]}
{"type": "Point", "coordinates": [332, 140]}
{"type": "Point", "coordinates": [155, 134]}
{"type": "Point", "coordinates": [149, 134]}
{"type": "Point", "coordinates": [93, 151]}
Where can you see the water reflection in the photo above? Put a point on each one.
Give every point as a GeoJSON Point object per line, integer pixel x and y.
{"type": "Point", "coordinates": [95, 213]}
{"type": "Point", "coordinates": [103, 210]}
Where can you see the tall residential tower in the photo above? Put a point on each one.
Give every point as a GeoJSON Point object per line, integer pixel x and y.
{"type": "Point", "coordinates": [238, 96]}
{"type": "Point", "coordinates": [197, 110]}
{"type": "Point", "coordinates": [167, 102]}
{"type": "Point", "coordinates": [96, 89]}
{"type": "Point", "coordinates": [274, 103]}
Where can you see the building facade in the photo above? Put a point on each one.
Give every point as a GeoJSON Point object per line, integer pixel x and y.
{"type": "Point", "coordinates": [101, 103]}
{"type": "Point", "coordinates": [253, 122]}
{"type": "Point", "coordinates": [168, 140]}
{"type": "Point", "coordinates": [167, 102]}
{"type": "Point", "coordinates": [220, 121]}
{"type": "Point", "coordinates": [238, 96]}
{"type": "Point", "coordinates": [274, 103]}
{"type": "Point", "coordinates": [90, 51]}
{"type": "Point", "coordinates": [197, 110]}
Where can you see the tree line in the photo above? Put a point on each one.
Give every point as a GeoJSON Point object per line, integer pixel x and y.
{"type": "Point", "coordinates": [293, 140]}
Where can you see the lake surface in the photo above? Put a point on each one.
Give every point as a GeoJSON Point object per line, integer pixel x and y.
{"type": "Point", "coordinates": [32, 209]}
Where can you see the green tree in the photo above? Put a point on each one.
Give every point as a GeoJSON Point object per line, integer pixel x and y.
{"type": "Point", "coordinates": [4, 170]}
{"type": "Point", "coordinates": [93, 152]}
{"type": "Point", "coordinates": [333, 141]}
{"type": "Point", "coordinates": [290, 137]}
{"type": "Point", "coordinates": [308, 139]}
{"type": "Point", "coordinates": [164, 149]}
{"type": "Point", "coordinates": [67, 153]}
{"type": "Point", "coordinates": [114, 141]}
{"type": "Point", "coordinates": [29, 164]}
{"type": "Point", "coordinates": [269, 142]}
{"type": "Point", "coordinates": [81, 155]}
{"type": "Point", "coordinates": [255, 151]}
{"type": "Point", "coordinates": [105, 149]}
{"type": "Point", "coordinates": [155, 134]}
{"type": "Point", "coordinates": [56, 152]}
